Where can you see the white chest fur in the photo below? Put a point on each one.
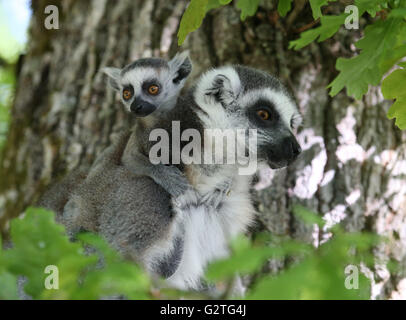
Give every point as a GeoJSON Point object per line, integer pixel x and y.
{"type": "Point", "coordinates": [208, 231]}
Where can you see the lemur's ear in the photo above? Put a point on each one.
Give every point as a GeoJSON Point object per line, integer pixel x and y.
{"type": "Point", "coordinates": [222, 90]}
{"type": "Point", "coordinates": [180, 66]}
{"type": "Point", "coordinates": [114, 76]}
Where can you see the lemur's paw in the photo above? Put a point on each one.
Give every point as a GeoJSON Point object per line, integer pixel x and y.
{"type": "Point", "coordinates": [190, 198]}
{"type": "Point", "coordinates": [214, 198]}
{"type": "Point", "coordinates": [171, 179]}
{"type": "Point", "coordinates": [174, 182]}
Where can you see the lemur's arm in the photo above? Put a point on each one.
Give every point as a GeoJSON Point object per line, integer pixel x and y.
{"type": "Point", "coordinates": [167, 176]}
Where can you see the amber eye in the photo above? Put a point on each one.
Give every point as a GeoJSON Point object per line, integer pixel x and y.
{"type": "Point", "coordinates": [127, 94]}
{"type": "Point", "coordinates": [153, 90]}
{"type": "Point", "coordinates": [263, 114]}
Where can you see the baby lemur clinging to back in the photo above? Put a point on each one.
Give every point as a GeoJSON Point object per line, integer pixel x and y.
{"type": "Point", "coordinates": [148, 88]}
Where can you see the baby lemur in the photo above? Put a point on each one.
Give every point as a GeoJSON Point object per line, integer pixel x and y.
{"type": "Point", "coordinates": [177, 239]}
{"type": "Point", "coordinates": [148, 88]}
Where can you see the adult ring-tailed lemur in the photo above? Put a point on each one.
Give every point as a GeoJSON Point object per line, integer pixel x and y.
{"type": "Point", "coordinates": [177, 237]}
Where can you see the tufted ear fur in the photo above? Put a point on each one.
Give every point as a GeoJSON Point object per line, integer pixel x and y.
{"type": "Point", "coordinates": [114, 76]}
{"type": "Point", "coordinates": [180, 67]}
{"type": "Point", "coordinates": [222, 90]}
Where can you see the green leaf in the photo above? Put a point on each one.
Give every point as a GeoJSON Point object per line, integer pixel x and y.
{"type": "Point", "coordinates": [8, 286]}
{"type": "Point", "coordinates": [284, 7]}
{"type": "Point", "coordinates": [371, 6]}
{"type": "Point", "coordinates": [357, 73]}
{"type": "Point", "coordinates": [393, 87]}
{"type": "Point", "coordinates": [391, 57]}
{"type": "Point", "coordinates": [329, 26]}
{"type": "Point", "coordinates": [39, 242]}
{"type": "Point", "coordinates": [248, 8]}
{"type": "Point", "coordinates": [316, 7]}
{"type": "Point", "coordinates": [308, 216]}
{"type": "Point", "coordinates": [87, 269]}
{"type": "Point", "coordinates": [321, 275]}
{"type": "Point", "coordinates": [247, 258]}
{"type": "Point", "coordinates": [214, 4]}
{"type": "Point", "coordinates": [192, 18]}
{"type": "Point", "coordinates": [243, 262]}
{"type": "Point", "coordinates": [398, 13]}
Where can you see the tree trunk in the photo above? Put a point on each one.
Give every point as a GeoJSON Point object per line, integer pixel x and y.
{"type": "Point", "coordinates": [353, 166]}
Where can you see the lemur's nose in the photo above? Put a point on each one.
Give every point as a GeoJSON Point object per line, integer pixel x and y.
{"type": "Point", "coordinates": [296, 148]}
{"type": "Point", "coordinates": [291, 148]}
{"type": "Point", "coordinates": [142, 108]}
{"type": "Point", "coordinates": [135, 107]}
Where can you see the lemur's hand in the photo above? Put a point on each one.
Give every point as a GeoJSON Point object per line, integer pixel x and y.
{"type": "Point", "coordinates": [171, 179]}
{"type": "Point", "coordinates": [190, 198]}
{"type": "Point", "coordinates": [214, 198]}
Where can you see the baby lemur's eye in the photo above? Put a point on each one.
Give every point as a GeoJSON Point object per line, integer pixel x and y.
{"type": "Point", "coordinates": [263, 114]}
{"type": "Point", "coordinates": [153, 89]}
{"type": "Point", "coordinates": [127, 94]}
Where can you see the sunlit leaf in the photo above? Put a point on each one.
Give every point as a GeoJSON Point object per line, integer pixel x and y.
{"type": "Point", "coordinates": [393, 87]}
{"type": "Point", "coordinates": [329, 26]}
{"type": "Point", "coordinates": [192, 18]}
{"type": "Point", "coordinates": [357, 73]}
{"type": "Point", "coordinates": [248, 8]}
{"type": "Point", "coordinates": [284, 7]}
{"type": "Point", "coordinates": [316, 7]}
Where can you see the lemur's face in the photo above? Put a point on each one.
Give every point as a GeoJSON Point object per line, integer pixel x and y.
{"type": "Point", "coordinates": [253, 99]}
{"type": "Point", "coordinates": [150, 84]}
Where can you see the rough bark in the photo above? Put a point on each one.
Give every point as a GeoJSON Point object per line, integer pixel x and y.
{"type": "Point", "coordinates": [353, 166]}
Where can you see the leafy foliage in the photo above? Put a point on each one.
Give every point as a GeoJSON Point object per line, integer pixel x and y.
{"type": "Point", "coordinates": [88, 269]}
{"type": "Point", "coordinates": [319, 275]}
{"type": "Point", "coordinates": [329, 27]}
{"type": "Point", "coordinates": [376, 56]}
{"type": "Point", "coordinates": [366, 68]}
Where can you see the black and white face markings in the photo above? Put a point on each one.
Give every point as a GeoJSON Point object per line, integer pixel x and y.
{"type": "Point", "coordinates": [272, 110]}
{"type": "Point", "coordinates": [274, 121]}
{"type": "Point", "coordinates": [150, 84]}
{"type": "Point", "coordinates": [249, 95]}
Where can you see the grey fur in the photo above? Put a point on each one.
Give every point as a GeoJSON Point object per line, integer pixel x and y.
{"type": "Point", "coordinates": [155, 63]}
{"type": "Point", "coordinates": [171, 77]}
{"type": "Point", "coordinates": [135, 214]}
